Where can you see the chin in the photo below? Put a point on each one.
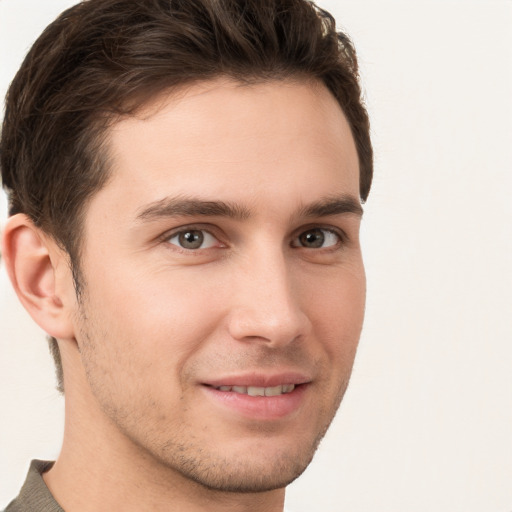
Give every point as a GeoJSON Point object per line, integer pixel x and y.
{"type": "Point", "coordinates": [249, 476]}
{"type": "Point", "coordinates": [250, 468]}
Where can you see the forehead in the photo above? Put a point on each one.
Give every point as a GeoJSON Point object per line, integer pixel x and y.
{"type": "Point", "coordinates": [221, 138]}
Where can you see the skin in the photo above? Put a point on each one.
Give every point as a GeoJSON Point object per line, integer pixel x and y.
{"type": "Point", "coordinates": [159, 324]}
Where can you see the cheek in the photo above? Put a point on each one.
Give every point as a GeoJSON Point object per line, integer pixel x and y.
{"type": "Point", "coordinates": [337, 314]}
{"type": "Point", "coordinates": [137, 340]}
{"type": "Point", "coordinates": [155, 315]}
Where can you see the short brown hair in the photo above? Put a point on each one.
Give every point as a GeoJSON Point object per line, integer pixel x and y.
{"type": "Point", "coordinates": [104, 58]}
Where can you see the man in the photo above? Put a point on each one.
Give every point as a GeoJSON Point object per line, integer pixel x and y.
{"type": "Point", "coordinates": [185, 180]}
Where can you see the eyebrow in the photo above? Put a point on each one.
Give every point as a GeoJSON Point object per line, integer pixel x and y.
{"type": "Point", "coordinates": [189, 207]}
{"type": "Point", "coordinates": [333, 206]}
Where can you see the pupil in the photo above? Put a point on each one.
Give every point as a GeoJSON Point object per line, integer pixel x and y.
{"type": "Point", "coordinates": [314, 238]}
{"type": "Point", "coordinates": [191, 239]}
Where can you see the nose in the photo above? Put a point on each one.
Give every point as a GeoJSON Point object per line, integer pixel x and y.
{"type": "Point", "coordinates": [267, 303]}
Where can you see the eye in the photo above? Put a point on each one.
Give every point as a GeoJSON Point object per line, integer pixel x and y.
{"type": "Point", "coordinates": [193, 239]}
{"type": "Point", "coordinates": [317, 238]}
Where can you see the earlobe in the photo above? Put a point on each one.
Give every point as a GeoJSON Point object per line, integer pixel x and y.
{"type": "Point", "coordinates": [31, 260]}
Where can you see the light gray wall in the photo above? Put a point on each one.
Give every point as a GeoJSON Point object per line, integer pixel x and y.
{"type": "Point", "coordinates": [427, 422]}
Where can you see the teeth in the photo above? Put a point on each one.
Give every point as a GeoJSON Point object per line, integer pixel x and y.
{"type": "Point", "coordinates": [259, 391]}
{"type": "Point", "coordinates": [254, 391]}
{"type": "Point", "coordinates": [276, 390]}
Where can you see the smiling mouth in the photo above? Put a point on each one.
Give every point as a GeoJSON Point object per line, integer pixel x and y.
{"type": "Point", "coordinates": [258, 391]}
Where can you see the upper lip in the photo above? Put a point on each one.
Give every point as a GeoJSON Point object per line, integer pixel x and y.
{"type": "Point", "coordinates": [258, 379]}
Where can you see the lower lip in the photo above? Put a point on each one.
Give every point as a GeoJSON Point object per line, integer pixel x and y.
{"type": "Point", "coordinates": [260, 407]}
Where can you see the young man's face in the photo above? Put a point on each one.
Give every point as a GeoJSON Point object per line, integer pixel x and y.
{"type": "Point", "coordinates": [221, 261]}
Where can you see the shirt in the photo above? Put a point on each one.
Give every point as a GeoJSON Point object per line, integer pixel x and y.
{"type": "Point", "coordinates": [34, 495]}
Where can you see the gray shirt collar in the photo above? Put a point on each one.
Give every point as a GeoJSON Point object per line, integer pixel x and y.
{"type": "Point", "coordinates": [34, 495]}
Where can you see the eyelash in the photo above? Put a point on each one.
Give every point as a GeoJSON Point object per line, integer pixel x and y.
{"type": "Point", "coordinates": [167, 237]}
{"type": "Point", "coordinates": [339, 234]}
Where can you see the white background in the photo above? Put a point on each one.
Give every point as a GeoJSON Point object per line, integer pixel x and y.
{"type": "Point", "coordinates": [427, 422]}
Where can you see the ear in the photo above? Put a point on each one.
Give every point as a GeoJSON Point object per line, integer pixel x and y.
{"type": "Point", "coordinates": [32, 260]}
